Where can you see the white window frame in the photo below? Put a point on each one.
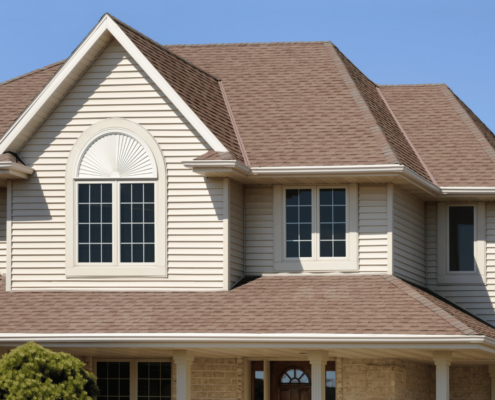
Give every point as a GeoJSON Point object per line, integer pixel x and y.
{"type": "Point", "coordinates": [315, 263]}
{"type": "Point", "coordinates": [116, 223]}
{"type": "Point", "coordinates": [74, 269]}
{"type": "Point", "coordinates": [444, 275]}
{"type": "Point", "coordinates": [133, 370]}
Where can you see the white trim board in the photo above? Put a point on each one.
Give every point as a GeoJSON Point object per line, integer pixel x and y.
{"type": "Point", "coordinates": [104, 27]}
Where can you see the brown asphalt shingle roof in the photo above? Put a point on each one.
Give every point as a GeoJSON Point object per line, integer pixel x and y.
{"type": "Point", "coordinates": [300, 104]}
{"type": "Point", "coordinates": [457, 147]}
{"type": "Point", "coordinates": [17, 93]}
{"type": "Point", "coordinates": [285, 304]}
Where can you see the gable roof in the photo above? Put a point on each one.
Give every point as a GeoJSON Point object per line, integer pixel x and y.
{"type": "Point", "coordinates": [316, 304]}
{"type": "Point", "coordinates": [306, 104]}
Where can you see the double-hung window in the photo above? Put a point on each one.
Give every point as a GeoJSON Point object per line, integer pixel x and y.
{"type": "Point", "coordinates": [116, 205]}
{"type": "Point", "coordinates": [318, 227]}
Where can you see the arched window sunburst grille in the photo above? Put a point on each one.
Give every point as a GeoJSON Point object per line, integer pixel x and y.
{"type": "Point", "coordinates": [294, 376]}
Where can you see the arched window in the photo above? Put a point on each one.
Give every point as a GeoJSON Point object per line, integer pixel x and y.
{"type": "Point", "coordinates": [116, 186]}
{"type": "Point", "coordinates": [294, 376]}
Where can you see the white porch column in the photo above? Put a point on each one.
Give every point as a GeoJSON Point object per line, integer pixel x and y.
{"type": "Point", "coordinates": [491, 368]}
{"type": "Point", "coordinates": [442, 361]}
{"type": "Point", "coordinates": [318, 361]}
{"type": "Point", "coordinates": [183, 360]}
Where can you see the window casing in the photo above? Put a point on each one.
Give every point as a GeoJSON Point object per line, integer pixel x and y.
{"type": "Point", "coordinates": [311, 231]}
{"type": "Point", "coordinates": [114, 154]}
{"type": "Point", "coordinates": [449, 272]}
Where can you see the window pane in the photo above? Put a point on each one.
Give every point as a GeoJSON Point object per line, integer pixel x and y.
{"type": "Point", "coordinates": [298, 213]}
{"type": "Point", "coordinates": [106, 212]}
{"type": "Point", "coordinates": [138, 223]}
{"type": "Point", "coordinates": [154, 381]}
{"type": "Point", "coordinates": [461, 239]}
{"type": "Point", "coordinates": [332, 223]}
{"type": "Point", "coordinates": [83, 193]}
{"type": "Point", "coordinates": [113, 380]}
{"type": "Point", "coordinates": [292, 249]}
{"type": "Point", "coordinates": [326, 249]}
{"type": "Point", "coordinates": [126, 253]}
{"type": "Point", "coordinates": [95, 193]}
{"type": "Point", "coordinates": [84, 253]}
{"type": "Point", "coordinates": [83, 213]}
{"type": "Point", "coordinates": [137, 193]}
{"type": "Point", "coordinates": [125, 193]}
{"type": "Point", "coordinates": [90, 227]}
{"type": "Point", "coordinates": [149, 193]}
{"type": "Point", "coordinates": [330, 385]}
{"type": "Point", "coordinates": [305, 249]}
{"type": "Point", "coordinates": [258, 385]}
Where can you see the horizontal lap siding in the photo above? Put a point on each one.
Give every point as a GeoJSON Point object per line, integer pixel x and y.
{"type": "Point", "coordinates": [3, 225]}
{"type": "Point", "coordinates": [409, 237]}
{"type": "Point", "coordinates": [372, 229]}
{"type": "Point", "coordinates": [115, 86]}
{"type": "Point", "coordinates": [259, 229]}
{"type": "Point", "coordinates": [236, 222]}
{"type": "Point", "coordinates": [478, 299]}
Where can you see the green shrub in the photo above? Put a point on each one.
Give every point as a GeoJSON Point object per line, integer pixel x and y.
{"type": "Point", "coordinates": [31, 372]}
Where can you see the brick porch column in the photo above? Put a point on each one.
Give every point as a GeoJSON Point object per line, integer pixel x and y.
{"type": "Point", "coordinates": [318, 361]}
{"type": "Point", "coordinates": [442, 361]}
{"type": "Point", "coordinates": [183, 360]}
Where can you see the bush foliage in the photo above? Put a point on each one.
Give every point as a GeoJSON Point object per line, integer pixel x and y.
{"type": "Point", "coordinates": [31, 372]}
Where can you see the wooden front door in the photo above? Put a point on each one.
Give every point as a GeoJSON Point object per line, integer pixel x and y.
{"type": "Point", "coordinates": [290, 380]}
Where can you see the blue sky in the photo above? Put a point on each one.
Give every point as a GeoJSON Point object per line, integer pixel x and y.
{"type": "Point", "coordinates": [391, 41]}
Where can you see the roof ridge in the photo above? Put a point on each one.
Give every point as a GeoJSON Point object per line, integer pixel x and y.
{"type": "Point", "coordinates": [31, 72]}
{"type": "Point", "coordinates": [406, 288]}
{"type": "Point", "coordinates": [162, 47]}
{"type": "Point", "coordinates": [247, 43]}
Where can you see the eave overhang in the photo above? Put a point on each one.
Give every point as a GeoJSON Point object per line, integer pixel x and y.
{"type": "Point", "coordinates": [10, 170]}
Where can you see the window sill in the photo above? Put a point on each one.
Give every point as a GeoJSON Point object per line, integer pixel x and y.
{"type": "Point", "coordinates": [321, 266]}
{"type": "Point", "coordinates": [115, 272]}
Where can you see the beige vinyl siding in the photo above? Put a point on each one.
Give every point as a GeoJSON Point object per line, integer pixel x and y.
{"type": "Point", "coordinates": [259, 229]}
{"type": "Point", "coordinates": [115, 86]}
{"type": "Point", "coordinates": [3, 230]}
{"type": "Point", "coordinates": [431, 244]}
{"type": "Point", "coordinates": [409, 237]}
{"type": "Point", "coordinates": [373, 248]}
{"type": "Point", "coordinates": [477, 299]}
{"type": "Point", "coordinates": [236, 229]}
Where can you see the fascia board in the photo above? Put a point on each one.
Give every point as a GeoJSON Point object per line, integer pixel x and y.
{"type": "Point", "coordinates": [165, 87]}
{"type": "Point", "coordinates": [447, 190]}
{"type": "Point", "coordinates": [234, 165]}
{"type": "Point", "coordinates": [12, 170]}
{"type": "Point", "coordinates": [45, 94]}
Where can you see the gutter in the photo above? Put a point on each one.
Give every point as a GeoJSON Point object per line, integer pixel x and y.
{"type": "Point", "coordinates": [227, 339]}
{"type": "Point", "coordinates": [14, 170]}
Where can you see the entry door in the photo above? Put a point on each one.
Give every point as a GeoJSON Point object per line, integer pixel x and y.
{"type": "Point", "coordinates": [290, 380]}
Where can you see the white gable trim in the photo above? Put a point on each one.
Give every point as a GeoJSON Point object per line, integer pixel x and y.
{"type": "Point", "coordinates": [105, 25]}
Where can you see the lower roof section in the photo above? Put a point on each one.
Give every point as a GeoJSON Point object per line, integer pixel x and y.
{"type": "Point", "coordinates": [361, 305]}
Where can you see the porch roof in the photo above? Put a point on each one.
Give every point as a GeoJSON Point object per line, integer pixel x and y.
{"type": "Point", "coordinates": [269, 304]}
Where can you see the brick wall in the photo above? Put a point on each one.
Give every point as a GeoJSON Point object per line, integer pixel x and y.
{"type": "Point", "coordinates": [470, 382]}
{"type": "Point", "coordinates": [215, 378]}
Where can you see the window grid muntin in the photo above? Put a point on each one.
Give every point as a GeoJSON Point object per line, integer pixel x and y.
{"type": "Point", "coordinates": [114, 386]}
{"type": "Point", "coordinates": [92, 227]}
{"type": "Point", "coordinates": [148, 247]}
{"type": "Point", "coordinates": [152, 385]}
{"type": "Point", "coordinates": [302, 209]}
{"type": "Point", "coordinates": [332, 214]}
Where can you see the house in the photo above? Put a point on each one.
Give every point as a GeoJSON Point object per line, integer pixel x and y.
{"type": "Point", "coordinates": [247, 221]}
